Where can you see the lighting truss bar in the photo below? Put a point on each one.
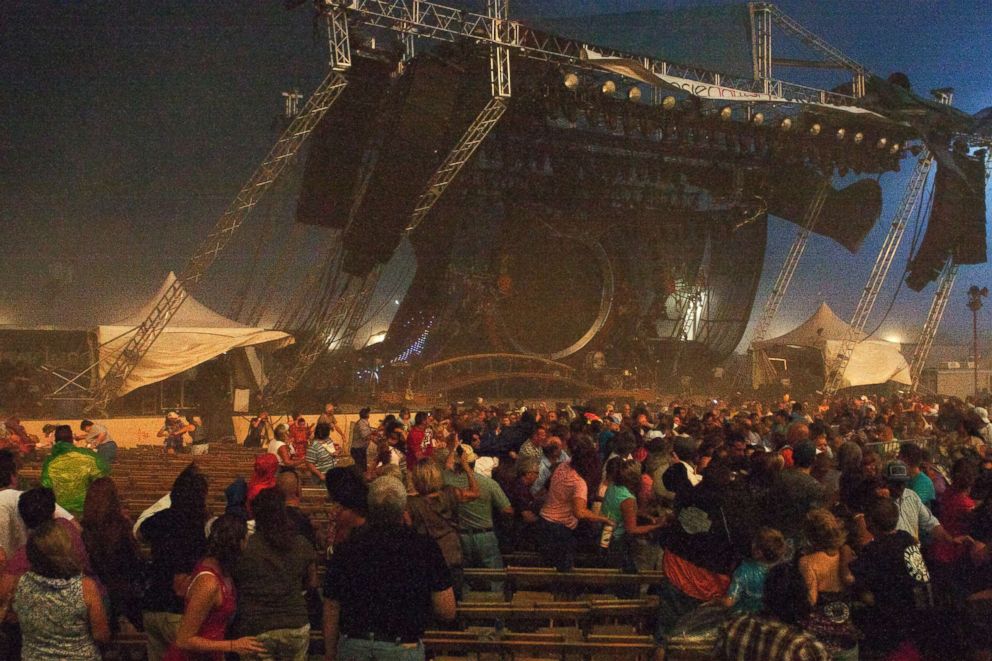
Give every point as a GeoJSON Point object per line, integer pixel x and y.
{"type": "Point", "coordinates": [456, 159]}
{"type": "Point", "coordinates": [499, 57]}
{"type": "Point", "coordinates": [940, 298]}
{"type": "Point", "coordinates": [886, 255]}
{"type": "Point", "coordinates": [761, 39]}
{"type": "Point", "coordinates": [436, 21]}
{"type": "Point", "coordinates": [281, 154]}
{"type": "Point", "coordinates": [338, 42]}
{"type": "Point", "coordinates": [810, 216]}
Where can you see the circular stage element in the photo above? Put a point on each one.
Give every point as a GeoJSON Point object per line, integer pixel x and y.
{"type": "Point", "coordinates": [556, 293]}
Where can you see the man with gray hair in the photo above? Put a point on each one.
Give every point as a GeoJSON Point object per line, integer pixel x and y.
{"type": "Point", "coordinates": [384, 584]}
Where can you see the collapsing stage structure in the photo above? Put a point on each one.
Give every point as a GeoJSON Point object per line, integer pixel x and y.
{"type": "Point", "coordinates": [578, 205]}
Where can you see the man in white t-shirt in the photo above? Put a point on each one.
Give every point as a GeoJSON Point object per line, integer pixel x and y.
{"type": "Point", "coordinates": [13, 533]}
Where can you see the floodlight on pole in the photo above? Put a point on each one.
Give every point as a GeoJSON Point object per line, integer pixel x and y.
{"type": "Point", "coordinates": [815, 129]}
{"type": "Point", "coordinates": [668, 103]}
{"type": "Point", "coordinates": [571, 81]}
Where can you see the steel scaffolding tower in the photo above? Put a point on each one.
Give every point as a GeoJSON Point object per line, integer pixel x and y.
{"type": "Point", "coordinates": [925, 342]}
{"type": "Point", "coordinates": [914, 193]}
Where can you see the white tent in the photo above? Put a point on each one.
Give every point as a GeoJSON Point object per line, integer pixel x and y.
{"type": "Point", "coordinates": [194, 335]}
{"type": "Point", "coordinates": [872, 361]}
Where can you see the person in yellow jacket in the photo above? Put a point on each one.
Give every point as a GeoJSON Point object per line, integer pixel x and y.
{"type": "Point", "coordinates": [69, 471]}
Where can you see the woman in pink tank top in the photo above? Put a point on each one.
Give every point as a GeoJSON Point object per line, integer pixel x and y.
{"type": "Point", "coordinates": [211, 599]}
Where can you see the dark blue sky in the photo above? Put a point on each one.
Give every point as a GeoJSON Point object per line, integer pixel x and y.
{"type": "Point", "coordinates": [125, 128]}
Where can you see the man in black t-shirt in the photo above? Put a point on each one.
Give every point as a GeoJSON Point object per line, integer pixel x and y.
{"type": "Point", "coordinates": [892, 577]}
{"type": "Point", "coordinates": [384, 584]}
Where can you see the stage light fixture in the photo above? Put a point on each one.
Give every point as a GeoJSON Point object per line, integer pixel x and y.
{"type": "Point", "coordinates": [815, 129]}
{"type": "Point", "coordinates": [859, 137]}
{"type": "Point", "coordinates": [841, 133]}
{"type": "Point", "coordinates": [894, 149]}
{"type": "Point", "coordinates": [881, 143]}
{"type": "Point", "coordinates": [726, 113]}
{"type": "Point", "coordinates": [785, 124]}
{"type": "Point", "coordinates": [758, 119]}
{"type": "Point", "coordinates": [634, 94]}
{"type": "Point", "coordinates": [608, 88]}
{"type": "Point", "coordinates": [668, 103]}
{"type": "Point", "coordinates": [571, 81]}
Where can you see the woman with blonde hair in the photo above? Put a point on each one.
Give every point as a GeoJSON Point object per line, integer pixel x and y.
{"type": "Point", "coordinates": [60, 611]}
{"type": "Point", "coordinates": [433, 511]}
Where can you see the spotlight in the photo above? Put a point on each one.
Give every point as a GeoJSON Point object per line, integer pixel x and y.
{"type": "Point", "coordinates": [859, 137]}
{"type": "Point", "coordinates": [841, 133]}
{"type": "Point", "coordinates": [634, 94]}
{"type": "Point", "coordinates": [785, 124]}
{"type": "Point", "coordinates": [894, 149]}
{"type": "Point", "coordinates": [815, 129]}
{"type": "Point", "coordinates": [608, 88]}
{"type": "Point", "coordinates": [571, 81]}
{"type": "Point", "coordinates": [758, 119]}
{"type": "Point", "coordinates": [725, 113]}
{"type": "Point", "coordinates": [881, 143]}
{"type": "Point", "coordinates": [668, 103]}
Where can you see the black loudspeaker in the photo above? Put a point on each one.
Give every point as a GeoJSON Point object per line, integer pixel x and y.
{"type": "Point", "coordinates": [331, 171]}
{"type": "Point", "coordinates": [434, 105]}
{"type": "Point", "coordinates": [847, 215]}
{"type": "Point", "coordinates": [957, 222]}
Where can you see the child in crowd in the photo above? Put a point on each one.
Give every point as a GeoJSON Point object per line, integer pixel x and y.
{"type": "Point", "coordinates": [747, 587]}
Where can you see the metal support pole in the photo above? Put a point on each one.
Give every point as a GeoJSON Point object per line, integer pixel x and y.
{"type": "Point", "coordinates": [338, 42]}
{"type": "Point", "coordinates": [761, 40]}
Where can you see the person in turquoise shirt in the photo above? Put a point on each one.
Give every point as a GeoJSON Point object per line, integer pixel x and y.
{"type": "Point", "coordinates": [620, 506]}
{"type": "Point", "coordinates": [914, 457]}
{"type": "Point", "coordinates": [746, 593]}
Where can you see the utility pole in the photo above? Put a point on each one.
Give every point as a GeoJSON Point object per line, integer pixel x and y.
{"type": "Point", "coordinates": [975, 296]}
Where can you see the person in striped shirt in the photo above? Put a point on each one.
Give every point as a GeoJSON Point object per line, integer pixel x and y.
{"type": "Point", "coordinates": [322, 454]}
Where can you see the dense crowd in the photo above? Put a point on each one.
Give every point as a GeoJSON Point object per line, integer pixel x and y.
{"type": "Point", "coordinates": [854, 528]}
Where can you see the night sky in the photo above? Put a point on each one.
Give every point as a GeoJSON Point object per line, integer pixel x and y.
{"type": "Point", "coordinates": [127, 127]}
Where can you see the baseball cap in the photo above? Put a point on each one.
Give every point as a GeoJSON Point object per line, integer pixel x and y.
{"type": "Point", "coordinates": [896, 471]}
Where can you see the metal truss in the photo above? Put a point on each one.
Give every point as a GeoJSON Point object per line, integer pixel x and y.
{"type": "Point", "coordinates": [456, 158]}
{"type": "Point", "coordinates": [436, 21]}
{"type": "Point", "coordinates": [281, 154]}
{"type": "Point", "coordinates": [499, 59]}
{"type": "Point", "coordinates": [786, 22]}
{"type": "Point", "coordinates": [914, 193]}
{"type": "Point", "coordinates": [338, 43]}
{"type": "Point", "coordinates": [810, 216]}
{"type": "Point", "coordinates": [925, 342]}
{"type": "Point", "coordinates": [761, 40]}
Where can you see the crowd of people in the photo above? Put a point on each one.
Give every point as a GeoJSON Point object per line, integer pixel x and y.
{"type": "Point", "coordinates": [854, 528]}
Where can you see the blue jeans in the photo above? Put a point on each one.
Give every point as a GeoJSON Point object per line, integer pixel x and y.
{"type": "Point", "coordinates": [107, 450]}
{"type": "Point", "coordinates": [481, 549]}
{"type": "Point", "coordinates": [557, 544]}
{"type": "Point", "coordinates": [359, 649]}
